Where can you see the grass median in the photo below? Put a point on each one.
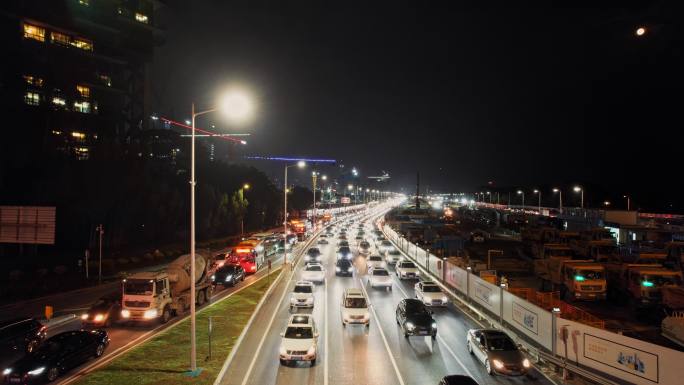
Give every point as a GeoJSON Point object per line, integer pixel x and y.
{"type": "Point", "coordinates": [164, 359]}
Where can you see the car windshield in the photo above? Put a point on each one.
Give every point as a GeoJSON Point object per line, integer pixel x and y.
{"type": "Point", "coordinates": [355, 303]}
{"type": "Point", "coordinates": [313, 251]}
{"type": "Point", "coordinates": [313, 268]}
{"type": "Point", "coordinates": [395, 252]}
{"type": "Point", "coordinates": [386, 243]}
{"type": "Point", "coordinates": [380, 272]}
{"type": "Point", "coordinates": [365, 244]}
{"type": "Point", "coordinates": [344, 249]}
{"type": "Point", "coordinates": [47, 349]}
{"type": "Point", "coordinates": [138, 287]}
{"type": "Point", "coordinates": [431, 289]}
{"type": "Point", "coordinates": [662, 280]}
{"type": "Point", "coordinates": [303, 289]}
{"type": "Point", "coordinates": [407, 265]}
{"type": "Point", "coordinates": [413, 307]}
{"type": "Point", "coordinates": [501, 343]}
{"type": "Point", "coordinates": [299, 332]}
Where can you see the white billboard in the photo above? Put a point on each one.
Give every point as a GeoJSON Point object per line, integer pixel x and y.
{"type": "Point", "coordinates": [27, 224]}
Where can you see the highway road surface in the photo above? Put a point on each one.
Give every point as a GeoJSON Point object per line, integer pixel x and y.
{"type": "Point", "coordinates": [355, 354]}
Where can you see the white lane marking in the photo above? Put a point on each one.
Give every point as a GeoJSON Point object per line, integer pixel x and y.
{"type": "Point", "coordinates": [145, 337]}
{"type": "Point", "coordinates": [270, 322]}
{"type": "Point", "coordinates": [384, 339]}
{"type": "Point", "coordinates": [325, 342]}
{"type": "Point", "coordinates": [440, 339]}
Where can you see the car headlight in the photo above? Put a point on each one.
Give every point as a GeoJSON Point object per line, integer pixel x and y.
{"type": "Point", "coordinates": [293, 299]}
{"type": "Point", "coordinates": [282, 351]}
{"type": "Point", "coordinates": [36, 371]}
{"type": "Point", "coordinates": [84, 316]}
{"type": "Point", "coordinates": [350, 269]}
{"type": "Point", "coordinates": [311, 350]}
{"type": "Point", "coordinates": [434, 325]}
{"type": "Point", "coordinates": [338, 268]}
{"type": "Point", "coordinates": [6, 371]}
{"type": "Point", "coordinates": [444, 298]}
{"type": "Point", "coordinates": [125, 313]}
{"type": "Point", "coordinates": [498, 364]}
{"type": "Point", "coordinates": [410, 326]}
{"type": "Point", "coordinates": [228, 277]}
{"type": "Point", "coordinates": [150, 313]}
{"type": "Point", "coordinates": [526, 363]}
{"type": "Point", "coordinates": [99, 317]}
{"type": "Point", "coordinates": [213, 277]}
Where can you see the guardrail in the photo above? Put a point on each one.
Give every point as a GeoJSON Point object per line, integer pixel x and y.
{"type": "Point", "coordinates": [592, 353]}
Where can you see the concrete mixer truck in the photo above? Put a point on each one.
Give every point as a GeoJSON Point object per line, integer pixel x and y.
{"type": "Point", "coordinates": [158, 295]}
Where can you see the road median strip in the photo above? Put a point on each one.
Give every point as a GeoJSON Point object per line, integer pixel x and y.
{"type": "Point", "coordinates": [165, 357]}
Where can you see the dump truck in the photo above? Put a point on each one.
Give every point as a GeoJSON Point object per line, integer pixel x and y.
{"type": "Point", "coordinates": [672, 326]}
{"type": "Point", "coordinates": [158, 295]}
{"type": "Point", "coordinates": [576, 279]}
{"type": "Point", "coordinates": [640, 285]}
{"type": "Point", "coordinates": [597, 244]}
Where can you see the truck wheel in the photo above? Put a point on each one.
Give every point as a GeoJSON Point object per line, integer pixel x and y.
{"type": "Point", "coordinates": [200, 298]}
{"type": "Point", "coordinates": [166, 315]}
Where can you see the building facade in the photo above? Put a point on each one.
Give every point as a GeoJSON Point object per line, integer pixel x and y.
{"type": "Point", "coordinates": [74, 74]}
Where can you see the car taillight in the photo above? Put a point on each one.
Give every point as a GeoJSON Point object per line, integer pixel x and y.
{"type": "Point", "coordinates": [253, 267]}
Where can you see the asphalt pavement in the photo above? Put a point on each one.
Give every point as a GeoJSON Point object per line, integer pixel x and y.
{"type": "Point", "coordinates": [355, 354]}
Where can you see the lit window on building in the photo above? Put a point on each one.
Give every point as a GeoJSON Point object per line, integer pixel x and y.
{"type": "Point", "coordinates": [83, 107]}
{"type": "Point", "coordinates": [141, 18]}
{"type": "Point", "coordinates": [32, 98]}
{"type": "Point", "coordinates": [60, 39]}
{"type": "Point", "coordinates": [34, 32]}
{"type": "Point", "coordinates": [84, 91]}
{"type": "Point", "coordinates": [33, 80]}
{"type": "Point", "coordinates": [78, 135]}
{"type": "Point", "coordinates": [58, 101]}
{"type": "Point", "coordinates": [83, 44]}
{"type": "Point", "coordinates": [106, 79]}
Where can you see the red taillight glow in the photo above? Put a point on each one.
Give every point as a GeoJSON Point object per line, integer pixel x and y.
{"type": "Point", "coordinates": [243, 250]}
{"type": "Point", "coordinates": [253, 267]}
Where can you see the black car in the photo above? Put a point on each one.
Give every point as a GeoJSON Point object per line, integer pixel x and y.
{"type": "Point", "coordinates": [57, 355]}
{"type": "Point", "coordinates": [21, 334]}
{"type": "Point", "coordinates": [18, 337]}
{"type": "Point", "coordinates": [415, 319]}
{"type": "Point", "coordinates": [103, 312]}
{"type": "Point", "coordinates": [228, 275]}
{"type": "Point", "coordinates": [457, 379]}
{"type": "Point", "coordinates": [344, 267]}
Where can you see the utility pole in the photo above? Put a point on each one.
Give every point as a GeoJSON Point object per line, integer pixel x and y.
{"type": "Point", "coordinates": [314, 176]}
{"type": "Point", "coordinates": [100, 230]}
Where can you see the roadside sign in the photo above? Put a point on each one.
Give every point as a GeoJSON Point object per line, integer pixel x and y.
{"type": "Point", "coordinates": [48, 312]}
{"type": "Point", "coordinates": [345, 200]}
{"type": "Point", "coordinates": [27, 224]}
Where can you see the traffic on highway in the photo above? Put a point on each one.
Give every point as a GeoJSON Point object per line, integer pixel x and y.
{"type": "Point", "coordinates": [372, 319]}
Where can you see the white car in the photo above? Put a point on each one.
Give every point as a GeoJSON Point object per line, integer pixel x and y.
{"type": "Point", "coordinates": [314, 272]}
{"type": "Point", "coordinates": [406, 270]}
{"type": "Point", "coordinates": [430, 294]}
{"type": "Point", "coordinates": [354, 308]}
{"type": "Point", "coordinates": [392, 257]}
{"type": "Point", "coordinates": [299, 340]}
{"type": "Point", "coordinates": [374, 261]}
{"type": "Point", "coordinates": [379, 277]}
{"type": "Point", "coordinates": [385, 246]}
{"type": "Point", "coordinates": [302, 295]}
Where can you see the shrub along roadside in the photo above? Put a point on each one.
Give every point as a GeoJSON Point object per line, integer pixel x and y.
{"type": "Point", "coordinates": [164, 359]}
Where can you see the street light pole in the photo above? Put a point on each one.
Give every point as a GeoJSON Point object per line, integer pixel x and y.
{"type": "Point", "coordinates": [628, 201]}
{"type": "Point", "coordinates": [538, 192]}
{"type": "Point", "coordinates": [299, 164]}
{"type": "Point", "coordinates": [560, 199]}
{"type": "Point", "coordinates": [581, 191]}
{"type": "Point", "coordinates": [520, 192]}
{"type": "Point", "coordinates": [314, 176]}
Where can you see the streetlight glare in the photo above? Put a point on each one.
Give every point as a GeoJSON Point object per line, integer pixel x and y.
{"type": "Point", "coordinates": [577, 189]}
{"type": "Point", "coordinates": [555, 190]}
{"type": "Point", "coordinates": [350, 187]}
{"type": "Point", "coordinates": [324, 177]}
{"type": "Point", "coordinates": [237, 106]}
{"type": "Point", "coordinates": [536, 191]}
{"type": "Point", "coordinates": [641, 31]}
{"type": "Point", "coordinates": [246, 186]}
{"type": "Point", "coordinates": [519, 192]}
{"type": "Point", "coordinates": [301, 164]}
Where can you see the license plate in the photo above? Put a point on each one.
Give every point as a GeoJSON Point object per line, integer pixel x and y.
{"type": "Point", "coordinates": [296, 358]}
{"type": "Point", "coordinates": [423, 333]}
{"type": "Point", "coordinates": [15, 380]}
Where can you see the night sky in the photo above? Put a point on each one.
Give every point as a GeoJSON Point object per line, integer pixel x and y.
{"type": "Point", "coordinates": [523, 97]}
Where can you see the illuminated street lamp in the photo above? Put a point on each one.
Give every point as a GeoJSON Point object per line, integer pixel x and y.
{"type": "Point", "coordinates": [580, 190]}
{"type": "Point", "coordinates": [560, 200]}
{"type": "Point", "coordinates": [606, 203]}
{"type": "Point", "coordinates": [641, 31]}
{"type": "Point", "coordinates": [237, 107]}
{"type": "Point", "coordinates": [300, 164]}
{"type": "Point", "coordinates": [242, 219]}
{"type": "Point", "coordinates": [539, 196]}
{"type": "Point", "coordinates": [521, 192]}
{"type": "Point", "coordinates": [628, 201]}
{"type": "Point", "coordinates": [314, 176]}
